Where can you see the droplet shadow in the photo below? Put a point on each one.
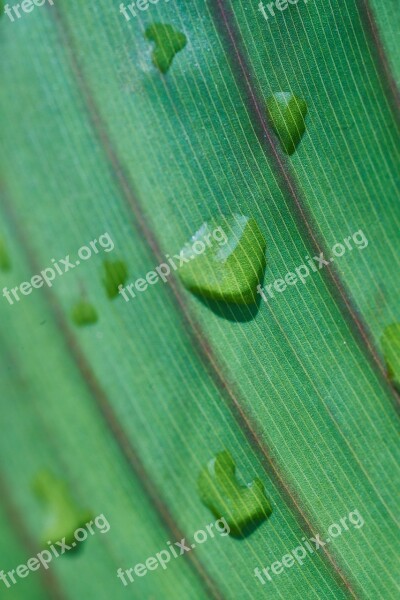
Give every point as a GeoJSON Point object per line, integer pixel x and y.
{"type": "Point", "coordinates": [245, 532]}
{"type": "Point", "coordinates": [239, 313]}
{"type": "Point", "coordinates": [75, 550]}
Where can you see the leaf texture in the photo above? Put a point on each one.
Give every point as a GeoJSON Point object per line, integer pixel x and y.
{"type": "Point", "coordinates": [130, 409]}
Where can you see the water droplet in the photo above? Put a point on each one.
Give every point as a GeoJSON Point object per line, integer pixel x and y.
{"type": "Point", "coordinates": [64, 515]}
{"type": "Point", "coordinates": [391, 351]}
{"type": "Point", "coordinates": [115, 274]}
{"type": "Point", "coordinates": [232, 262]}
{"type": "Point", "coordinates": [5, 263]}
{"type": "Point", "coordinates": [243, 507]}
{"type": "Point", "coordinates": [84, 313]}
{"type": "Point", "coordinates": [168, 42]}
{"type": "Point", "coordinates": [287, 114]}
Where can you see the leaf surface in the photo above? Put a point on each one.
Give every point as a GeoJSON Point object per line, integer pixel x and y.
{"type": "Point", "coordinates": [133, 407]}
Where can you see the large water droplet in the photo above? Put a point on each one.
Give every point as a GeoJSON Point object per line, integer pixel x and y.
{"type": "Point", "coordinates": [115, 274]}
{"type": "Point", "coordinates": [64, 515]}
{"type": "Point", "coordinates": [168, 42]}
{"type": "Point", "coordinates": [242, 506]}
{"type": "Point", "coordinates": [226, 260]}
{"type": "Point", "coordinates": [84, 313]}
{"type": "Point", "coordinates": [391, 350]}
{"type": "Point", "coordinates": [5, 263]}
{"type": "Point", "coordinates": [287, 115]}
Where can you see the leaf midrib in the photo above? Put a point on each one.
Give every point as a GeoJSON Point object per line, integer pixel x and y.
{"type": "Point", "coordinates": [304, 220]}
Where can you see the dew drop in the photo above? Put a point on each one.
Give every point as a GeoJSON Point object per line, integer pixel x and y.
{"type": "Point", "coordinates": [168, 42]}
{"type": "Point", "coordinates": [243, 507]}
{"type": "Point", "coordinates": [84, 313]}
{"type": "Point", "coordinates": [63, 514]}
{"type": "Point", "coordinates": [115, 274]}
{"type": "Point", "coordinates": [231, 264]}
{"type": "Point", "coordinates": [5, 263]}
{"type": "Point", "coordinates": [391, 351]}
{"type": "Point", "coordinates": [287, 115]}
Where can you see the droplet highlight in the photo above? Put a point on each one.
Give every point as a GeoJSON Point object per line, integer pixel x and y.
{"type": "Point", "coordinates": [243, 507]}
{"type": "Point", "coordinates": [115, 274]}
{"type": "Point", "coordinates": [64, 515]}
{"type": "Point", "coordinates": [391, 351]}
{"type": "Point", "coordinates": [232, 263]}
{"type": "Point", "coordinates": [84, 313]}
{"type": "Point", "coordinates": [168, 42]}
{"type": "Point", "coordinates": [287, 114]}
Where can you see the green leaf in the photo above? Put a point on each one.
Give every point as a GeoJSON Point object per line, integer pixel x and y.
{"type": "Point", "coordinates": [103, 131]}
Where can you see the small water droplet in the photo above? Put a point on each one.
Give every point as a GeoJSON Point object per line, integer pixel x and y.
{"type": "Point", "coordinates": [391, 351]}
{"type": "Point", "coordinates": [243, 507]}
{"type": "Point", "coordinates": [5, 263]}
{"type": "Point", "coordinates": [64, 515]}
{"type": "Point", "coordinates": [232, 262]}
{"type": "Point", "coordinates": [115, 274]}
{"type": "Point", "coordinates": [168, 42]}
{"type": "Point", "coordinates": [287, 115]}
{"type": "Point", "coordinates": [84, 313]}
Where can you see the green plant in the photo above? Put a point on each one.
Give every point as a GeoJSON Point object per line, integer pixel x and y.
{"type": "Point", "coordinates": [129, 410]}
